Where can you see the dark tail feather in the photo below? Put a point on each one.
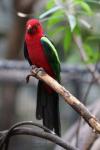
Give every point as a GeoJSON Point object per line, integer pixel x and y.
{"type": "Point", "coordinates": [48, 108]}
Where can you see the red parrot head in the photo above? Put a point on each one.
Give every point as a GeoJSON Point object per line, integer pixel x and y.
{"type": "Point", "coordinates": [33, 27]}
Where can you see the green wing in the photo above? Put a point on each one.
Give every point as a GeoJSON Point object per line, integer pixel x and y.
{"type": "Point", "coordinates": [52, 55]}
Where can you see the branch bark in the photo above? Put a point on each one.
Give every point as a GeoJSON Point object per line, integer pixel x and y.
{"type": "Point", "coordinates": [69, 98]}
{"type": "Point", "coordinates": [18, 129]}
{"type": "Point", "coordinates": [44, 135]}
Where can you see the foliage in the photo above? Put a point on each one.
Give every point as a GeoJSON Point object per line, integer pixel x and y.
{"type": "Point", "coordinates": [66, 18]}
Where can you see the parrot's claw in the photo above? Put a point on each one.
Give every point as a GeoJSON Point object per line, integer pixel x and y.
{"type": "Point", "coordinates": [36, 70]}
{"type": "Point", "coordinates": [28, 77]}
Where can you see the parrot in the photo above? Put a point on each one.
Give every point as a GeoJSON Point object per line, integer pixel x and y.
{"type": "Point", "coordinates": [39, 51]}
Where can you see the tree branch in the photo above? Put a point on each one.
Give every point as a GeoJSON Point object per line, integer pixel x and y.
{"type": "Point", "coordinates": [69, 98]}
{"type": "Point", "coordinates": [18, 129]}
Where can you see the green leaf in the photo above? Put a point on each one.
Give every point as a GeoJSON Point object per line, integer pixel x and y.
{"type": "Point", "coordinates": [67, 38]}
{"type": "Point", "coordinates": [91, 53]}
{"type": "Point", "coordinates": [50, 4]}
{"type": "Point", "coordinates": [77, 30]}
{"type": "Point", "coordinates": [49, 12]}
{"type": "Point", "coordinates": [93, 2]}
{"type": "Point", "coordinates": [85, 23]}
{"type": "Point", "coordinates": [56, 31]}
{"type": "Point", "coordinates": [72, 21]}
{"type": "Point", "coordinates": [57, 17]}
{"type": "Point", "coordinates": [95, 39]}
{"type": "Point", "coordinates": [85, 6]}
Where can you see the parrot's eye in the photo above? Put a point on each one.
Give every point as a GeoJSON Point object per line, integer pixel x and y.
{"type": "Point", "coordinates": [36, 26]}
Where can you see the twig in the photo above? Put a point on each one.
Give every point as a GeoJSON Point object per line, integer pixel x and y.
{"type": "Point", "coordinates": [92, 80]}
{"type": "Point", "coordinates": [69, 98]}
{"type": "Point", "coordinates": [84, 57]}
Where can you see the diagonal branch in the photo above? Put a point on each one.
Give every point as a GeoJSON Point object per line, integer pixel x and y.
{"type": "Point", "coordinates": [69, 98]}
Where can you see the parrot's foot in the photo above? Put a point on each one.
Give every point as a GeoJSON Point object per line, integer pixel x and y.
{"type": "Point", "coordinates": [36, 70]}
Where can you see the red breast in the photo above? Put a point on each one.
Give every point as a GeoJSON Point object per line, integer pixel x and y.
{"type": "Point", "coordinates": [36, 53]}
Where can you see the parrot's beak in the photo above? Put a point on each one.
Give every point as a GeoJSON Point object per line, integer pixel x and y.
{"type": "Point", "coordinates": [29, 29]}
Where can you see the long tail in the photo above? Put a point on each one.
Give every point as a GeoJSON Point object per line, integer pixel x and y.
{"type": "Point", "coordinates": [48, 108]}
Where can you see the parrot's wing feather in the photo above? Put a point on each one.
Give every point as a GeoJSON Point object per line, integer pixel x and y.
{"type": "Point", "coordinates": [52, 56]}
{"type": "Point", "coordinates": [26, 55]}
